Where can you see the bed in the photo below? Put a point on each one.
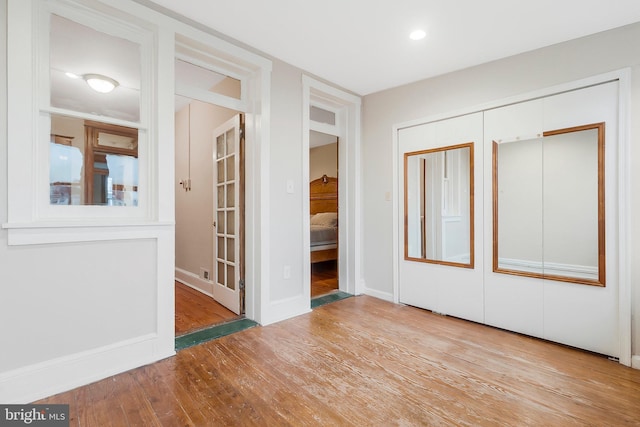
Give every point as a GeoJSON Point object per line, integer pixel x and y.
{"type": "Point", "coordinates": [323, 204]}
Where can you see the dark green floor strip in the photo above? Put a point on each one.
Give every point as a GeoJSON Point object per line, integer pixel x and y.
{"type": "Point", "coordinates": [326, 299]}
{"type": "Point", "coordinates": [199, 337]}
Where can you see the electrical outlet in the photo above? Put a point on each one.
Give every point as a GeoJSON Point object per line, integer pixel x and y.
{"type": "Point", "coordinates": [204, 273]}
{"type": "Point", "coordinates": [287, 272]}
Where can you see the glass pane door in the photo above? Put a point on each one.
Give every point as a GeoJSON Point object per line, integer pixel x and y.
{"type": "Point", "coordinates": [227, 183]}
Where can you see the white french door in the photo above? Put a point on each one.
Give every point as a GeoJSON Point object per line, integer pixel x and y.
{"type": "Point", "coordinates": [227, 223]}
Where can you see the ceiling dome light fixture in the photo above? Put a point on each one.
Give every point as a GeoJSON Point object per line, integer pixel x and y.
{"type": "Point", "coordinates": [100, 83]}
{"type": "Point", "coordinates": [417, 34]}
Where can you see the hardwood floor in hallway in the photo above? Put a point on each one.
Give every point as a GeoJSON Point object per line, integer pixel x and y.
{"type": "Point", "coordinates": [324, 278]}
{"type": "Point", "coordinates": [195, 310]}
{"type": "Point", "coordinates": [363, 361]}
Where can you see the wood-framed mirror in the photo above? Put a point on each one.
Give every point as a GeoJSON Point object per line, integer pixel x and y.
{"type": "Point", "coordinates": [438, 206]}
{"type": "Point", "coordinates": [548, 206]}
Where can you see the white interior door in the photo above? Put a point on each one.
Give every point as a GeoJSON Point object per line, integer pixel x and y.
{"type": "Point", "coordinates": [439, 286]}
{"type": "Point", "coordinates": [227, 224]}
{"type": "Point", "coordinates": [575, 314]}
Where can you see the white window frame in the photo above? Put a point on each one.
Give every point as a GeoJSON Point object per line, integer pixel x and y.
{"type": "Point", "coordinates": [31, 218]}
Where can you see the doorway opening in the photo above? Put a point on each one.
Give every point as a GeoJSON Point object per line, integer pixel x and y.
{"type": "Point", "coordinates": [323, 208]}
{"type": "Point", "coordinates": [330, 111]}
{"type": "Point", "coordinates": [209, 213]}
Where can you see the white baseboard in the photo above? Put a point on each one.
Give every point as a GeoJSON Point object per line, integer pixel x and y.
{"type": "Point", "coordinates": [31, 383]}
{"type": "Point", "coordinates": [277, 311]}
{"type": "Point", "coordinates": [194, 281]}
{"type": "Point", "coordinates": [387, 296]}
{"type": "Point", "coordinates": [635, 362]}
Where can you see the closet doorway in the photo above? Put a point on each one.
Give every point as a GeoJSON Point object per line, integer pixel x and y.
{"type": "Point", "coordinates": [323, 209]}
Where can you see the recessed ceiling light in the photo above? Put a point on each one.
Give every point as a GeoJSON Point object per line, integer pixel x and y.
{"type": "Point", "coordinates": [417, 35]}
{"type": "Point", "coordinates": [100, 83]}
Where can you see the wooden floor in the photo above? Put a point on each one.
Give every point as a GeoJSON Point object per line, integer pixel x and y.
{"type": "Point", "coordinates": [324, 278]}
{"type": "Point", "coordinates": [366, 362]}
{"type": "Point", "coordinates": [195, 310]}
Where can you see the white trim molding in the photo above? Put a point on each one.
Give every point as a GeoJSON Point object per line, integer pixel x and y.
{"type": "Point", "coordinates": [194, 281]}
{"type": "Point", "coordinates": [44, 379]}
{"type": "Point", "coordinates": [285, 308]}
{"type": "Point", "coordinates": [386, 296]}
{"type": "Point", "coordinates": [624, 216]}
{"type": "Point", "coordinates": [347, 108]}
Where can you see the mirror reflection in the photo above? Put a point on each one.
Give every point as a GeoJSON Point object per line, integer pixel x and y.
{"type": "Point", "coordinates": [549, 206]}
{"type": "Point", "coordinates": [77, 55]}
{"type": "Point", "coordinates": [439, 205]}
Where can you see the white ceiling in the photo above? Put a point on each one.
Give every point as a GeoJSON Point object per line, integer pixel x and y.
{"type": "Point", "coordinates": [363, 45]}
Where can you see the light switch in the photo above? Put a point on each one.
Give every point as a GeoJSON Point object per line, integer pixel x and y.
{"type": "Point", "coordinates": [290, 186]}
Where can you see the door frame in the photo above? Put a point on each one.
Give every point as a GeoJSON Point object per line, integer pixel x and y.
{"type": "Point", "coordinates": [254, 72]}
{"type": "Point", "coordinates": [623, 77]}
{"type": "Point", "coordinates": [347, 108]}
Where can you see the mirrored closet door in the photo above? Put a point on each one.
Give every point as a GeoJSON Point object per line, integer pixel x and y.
{"type": "Point", "coordinates": [508, 217]}
{"type": "Point", "coordinates": [551, 171]}
{"type": "Point", "coordinates": [439, 201]}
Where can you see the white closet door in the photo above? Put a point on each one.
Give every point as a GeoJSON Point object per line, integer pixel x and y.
{"type": "Point", "coordinates": [575, 314]}
{"type": "Point", "coordinates": [445, 289]}
{"type": "Point", "coordinates": [579, 315]}
{"type": "Point", "coordinates": [512, 302]}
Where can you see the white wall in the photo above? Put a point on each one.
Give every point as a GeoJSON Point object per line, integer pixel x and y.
{"type": "Point", "coordinates": [70, 298]}
{"type": "Point", "coordinates": [475, 86]}
{"type": "Point", "coordinates": [323, 160]}
{"type": "Point", "coordinates": [286, 164]}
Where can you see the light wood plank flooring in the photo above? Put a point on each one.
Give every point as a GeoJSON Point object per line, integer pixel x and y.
{"type": "Point", "coordinates": [195, 310]}
{"type": "Point", "coordinates": [366, 362]}
{"type": "Point", "coordinates": [324, 278]}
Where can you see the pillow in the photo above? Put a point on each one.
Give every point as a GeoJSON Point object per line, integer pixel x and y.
{"type": "Point", "coordinates": [328, 219]}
